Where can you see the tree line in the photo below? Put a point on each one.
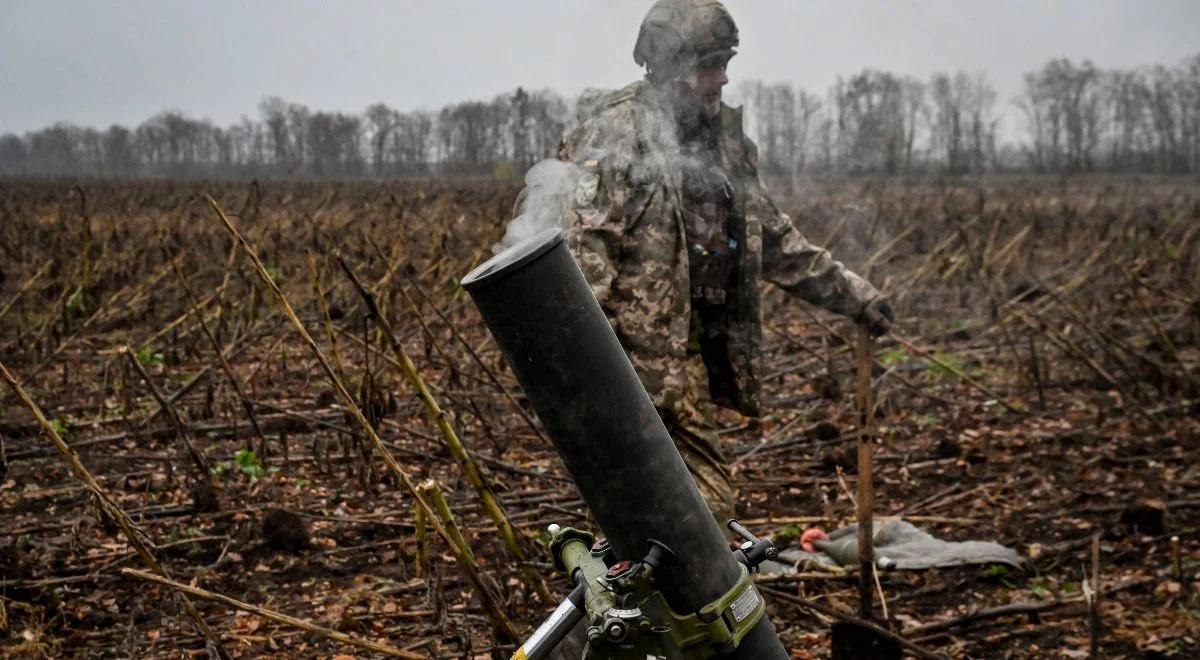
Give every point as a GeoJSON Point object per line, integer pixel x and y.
{"type": "Point", "coordinates": [1072, 118]}
{"type": "Point", "coordinates": [290, 140]}
{"type": "Point", "coordinates": [1076, 117]}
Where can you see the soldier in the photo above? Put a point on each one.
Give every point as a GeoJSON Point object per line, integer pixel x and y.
{"type": "Point", "coordinates": [673, 229]}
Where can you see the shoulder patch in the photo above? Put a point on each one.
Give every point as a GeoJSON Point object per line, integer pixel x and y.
{"type": "Point", "coordinates": [586, 189]}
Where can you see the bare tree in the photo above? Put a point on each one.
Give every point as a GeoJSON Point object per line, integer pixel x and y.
{"type": "Point", "coordinates": [382, 121]}
{"type": "Point", "coordinates": [411, 144]}
{"type": "Point", "coordinates": [873, 123]}
{"type": "Point", "coordinates": [274, 111]}
{"type": "Point", "coordinates": [14, 156]}
{"type": "Point", "coordinates": [1062, 103]}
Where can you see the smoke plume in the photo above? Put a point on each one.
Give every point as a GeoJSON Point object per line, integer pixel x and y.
{"type": "Point", "coordinates": [543, 203]}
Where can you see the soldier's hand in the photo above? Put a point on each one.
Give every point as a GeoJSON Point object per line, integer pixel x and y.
{"type": "Point", "coordinates": [877, 317]}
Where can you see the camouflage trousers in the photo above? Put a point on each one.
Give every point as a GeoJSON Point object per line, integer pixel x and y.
{"type": "Point", "coordinates": [695, 434]}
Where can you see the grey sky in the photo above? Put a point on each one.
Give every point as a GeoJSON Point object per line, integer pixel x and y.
{"type": "Point", "coordinates": [96, 63]}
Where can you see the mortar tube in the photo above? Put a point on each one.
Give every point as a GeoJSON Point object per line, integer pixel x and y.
{"type": "Point", "coordinates": [565, 355]}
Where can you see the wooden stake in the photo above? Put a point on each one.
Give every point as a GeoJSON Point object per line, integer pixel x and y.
{"type": "Point", "coordinates": [1094, 600]}
{"type": "Point", "coordinates": [865, 499]}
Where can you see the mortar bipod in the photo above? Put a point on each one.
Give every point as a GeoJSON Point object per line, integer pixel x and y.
{"type": "Point", "coordinates": [629, 618]}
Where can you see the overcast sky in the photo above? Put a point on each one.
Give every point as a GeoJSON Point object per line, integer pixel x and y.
{"type": "Point", "coordinates": [99, 62]}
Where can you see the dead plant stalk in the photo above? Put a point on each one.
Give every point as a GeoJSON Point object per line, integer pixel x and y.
{"type": "Point", "coordinates": [108, 510]}
{"type": "Point", "coordinates": [439, 417]}
{"type": "Point", "coordinates": [495, 613]}
{"type": "Point", "coordinates": [272, 615]}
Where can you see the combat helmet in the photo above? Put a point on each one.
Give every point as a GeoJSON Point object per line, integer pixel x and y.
{"type": "Point", "coordinates": [676, 35]}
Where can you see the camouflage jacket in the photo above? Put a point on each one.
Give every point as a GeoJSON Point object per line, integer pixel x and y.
{"type": "Point", "coordinates": [628, 235]}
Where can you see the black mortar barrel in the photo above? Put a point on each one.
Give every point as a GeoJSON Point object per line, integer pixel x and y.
{"type": "Point", "coordinates": [578, 379]}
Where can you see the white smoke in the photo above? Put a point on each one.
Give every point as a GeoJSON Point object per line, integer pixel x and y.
{"type": "Point", "coordinates": [544, 202]}
{"type": "Point", "coordinates": [552, 186]}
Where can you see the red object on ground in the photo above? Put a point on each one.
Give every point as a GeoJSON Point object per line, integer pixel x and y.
{"type": "Point", "coordinates": [812, 534]}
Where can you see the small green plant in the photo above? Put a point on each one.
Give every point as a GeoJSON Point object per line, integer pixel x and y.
{"type": "Point", "coordinates": [998, 573]}
{"type": "Point", "coordinates": [504, 171]}
{"type": "Point", "coordinates": [77, 302]}
{"type": "Point", "coordinates": [929, 420]}
{"type": "Point", "coordinates": [276, 275]}
{"type": "Point", "coordinates": [147, 357]}
{"type": "Point", "coordinates": [1041, 588]}
{"type": "Point", "coordinates": [248, 463]}
{"type": "Point", "coordinates": [894, 357]}
{"type": "Point", "coordinates": [979, 373]}
{"type": "Point", "coordinates": [58, 426]}
{"type": "Point", "coordinates": [945, 366]}
{"type": "Point", "coordinates": [788, 532]}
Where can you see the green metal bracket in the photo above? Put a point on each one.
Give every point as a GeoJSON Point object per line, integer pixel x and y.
{"type": "Point", "coordinates": [717, 627]}
{"type": "Point", "coordinates": [720, 625]}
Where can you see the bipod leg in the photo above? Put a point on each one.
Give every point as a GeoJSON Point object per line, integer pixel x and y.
{"type": "Point", "coordinates": [556, 628]}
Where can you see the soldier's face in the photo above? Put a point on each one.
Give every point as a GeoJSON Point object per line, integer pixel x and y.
{"type": "Point", "coordinates": [706, 86]}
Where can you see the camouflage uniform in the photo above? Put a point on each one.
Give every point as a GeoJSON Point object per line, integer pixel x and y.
{"type": "Point", "coordinates": [633, 214]}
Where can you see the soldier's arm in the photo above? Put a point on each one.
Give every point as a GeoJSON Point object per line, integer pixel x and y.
{"type": "Point", "coordinates": [802, 269]}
